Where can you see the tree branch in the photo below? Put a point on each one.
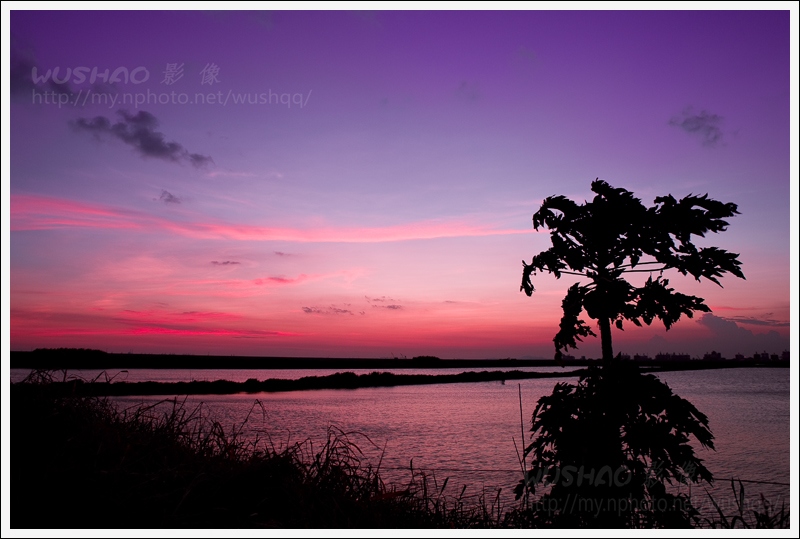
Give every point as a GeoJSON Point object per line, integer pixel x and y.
{"type": "Point", "coordinates": [645, 270]}
{"type": "Point", "coordinates": [639, 264]}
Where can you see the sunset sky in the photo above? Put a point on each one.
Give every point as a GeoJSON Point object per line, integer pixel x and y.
{"type": "Point", "coordinates": [361, 184]}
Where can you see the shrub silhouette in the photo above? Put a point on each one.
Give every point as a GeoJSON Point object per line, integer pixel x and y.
{"type": "Point", "coordinates": [606, 447]}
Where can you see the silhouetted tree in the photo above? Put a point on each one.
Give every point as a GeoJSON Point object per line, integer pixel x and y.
{"type": "Point", "coordinates": [616, 234]}
{"type": "Point", "coordinates": [605, 449]}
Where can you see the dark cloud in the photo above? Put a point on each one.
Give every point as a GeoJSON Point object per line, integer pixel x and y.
{"type": "Point", "coordinates": [382, 299]}
{"type": "Point", "coordinates": [331, 310]}
{"type": "Point", "coordinates": [704, 124]}
{"type": "Point", "coordinates": [20, 80]}
{"type": "Point", "coordinates": [23, 85]}
{"type": "Point", "coordinates": [757, 321]}
{"type": "Point", "coordinates": [139, 131]}
{"type": "Point", "coordinates": [730, 338]}
{"type": "Point", "coordinates": [281, 280]}
{"type": "Point", "coordinates": [392, 306]}
{"type": "Point", "coordinates": [205, 315]}
{"type": "Point", "coordinates": [390, 303]}
{"type": "Point", "coordinates": [281, 253]}
{"type": "Point", "coordinates": [199, 160]}
{"type": "Point", "coordinates": [20, 76]}
{"type": "Point", "coordinates": [100, 87]}
{"type": "Point", "coordinates": [169, 198]}
{"type": "Point", "coordinates": [721, 326]}
{"type": "Point", "coordinates": [225, 263]}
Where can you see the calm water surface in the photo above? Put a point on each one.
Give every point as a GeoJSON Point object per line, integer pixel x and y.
{"type": "Point", "coordinates": [467, 432]}
{"type": "Point", "coordinates": [241, 375]}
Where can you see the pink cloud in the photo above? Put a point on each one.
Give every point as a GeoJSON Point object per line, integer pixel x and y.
{"type": "Point", "coordinates": [149, 330]}
{"type": "Point", "coordinates": [33, 212]}
{"type": "Point", "coordinates": [187, 316]}
{"type": "Point", "coordinates": [283, 280]}
{"type": "Point", "coordinates": [30, 324]}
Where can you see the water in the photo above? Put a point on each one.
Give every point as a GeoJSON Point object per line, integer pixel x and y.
{"type": "Point", "coordinates": [467, 432]}
{"type": "Point", "coordinates": [748, 411]}
{"type": "Point", "coordinates": [242, 375]}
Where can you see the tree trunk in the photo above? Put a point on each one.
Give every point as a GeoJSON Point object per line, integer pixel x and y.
{"type": "Point", "coordinates": [605, 338]}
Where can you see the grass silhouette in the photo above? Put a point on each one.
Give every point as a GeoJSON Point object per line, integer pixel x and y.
{"type": "Point", "coordinates": [80, 462]}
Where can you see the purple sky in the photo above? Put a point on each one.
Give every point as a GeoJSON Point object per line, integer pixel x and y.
{"type": "Point", "coordinates": [381, 203]}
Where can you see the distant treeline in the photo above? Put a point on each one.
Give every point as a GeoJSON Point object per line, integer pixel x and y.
{"type": "Point", "coordinates": [339, 380]}
{"type": "Point", "coordinates": [84, 358]}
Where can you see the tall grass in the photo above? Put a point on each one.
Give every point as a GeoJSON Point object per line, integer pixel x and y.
{"type": "Point", "coordinates": [80, 462]}
{"type": "Point", "coordinates": [767, 516]}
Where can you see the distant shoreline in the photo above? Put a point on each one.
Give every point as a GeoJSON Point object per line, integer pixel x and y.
{"type": "Point", "coordinates": [339, 380]}
{"type": "Point", "coordinates": [344, 379]}
{"type": "Point", "coordinates": [101, 360]}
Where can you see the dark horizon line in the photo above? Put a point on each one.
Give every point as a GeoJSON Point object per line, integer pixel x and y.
{"type": "Point", "coordinates": [66, 358]}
